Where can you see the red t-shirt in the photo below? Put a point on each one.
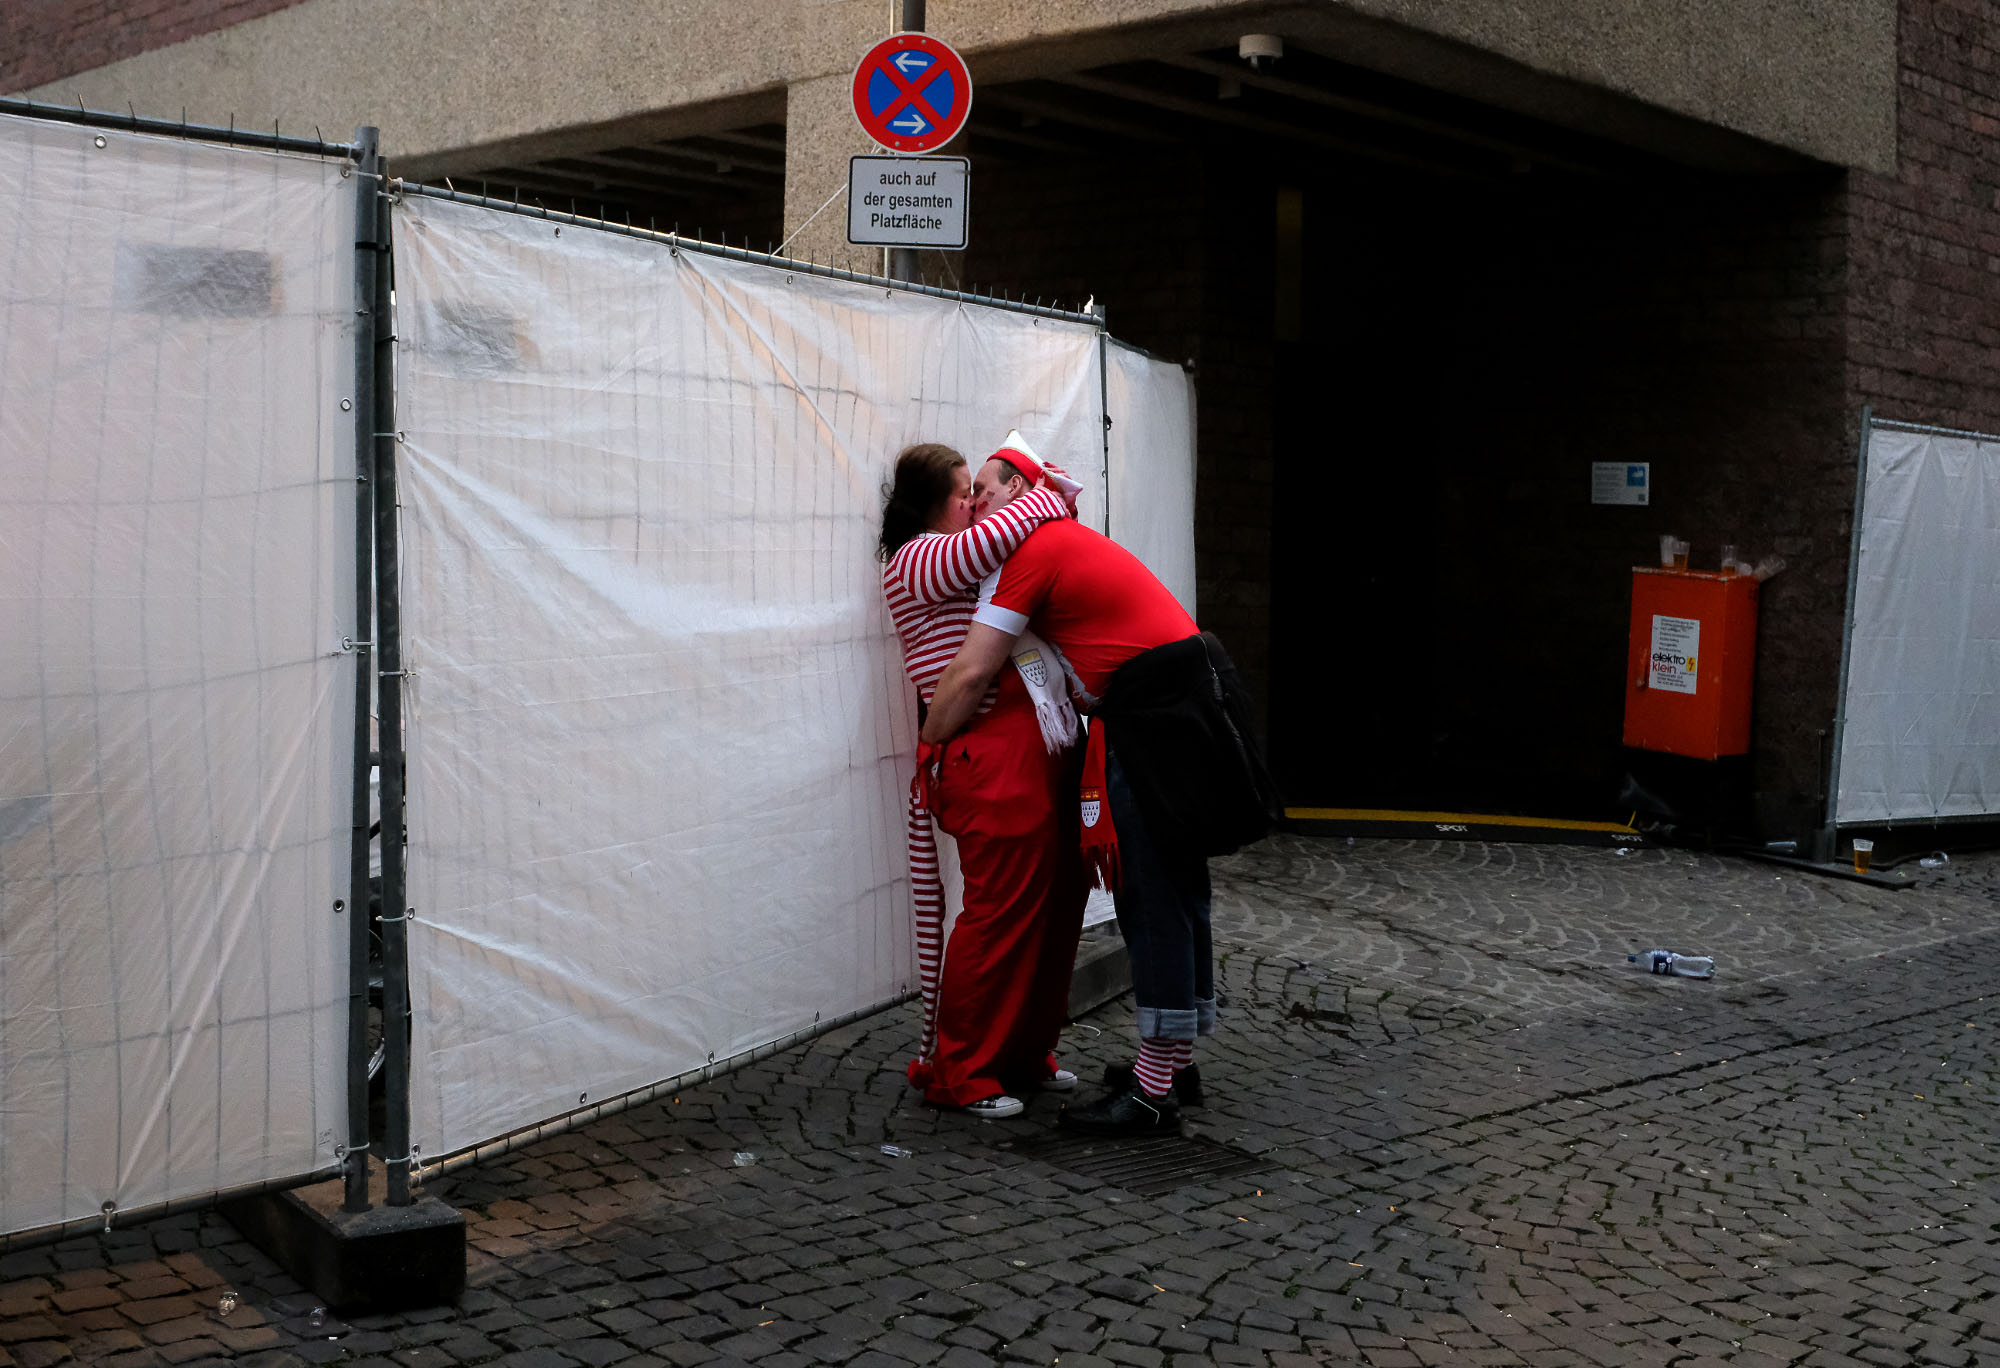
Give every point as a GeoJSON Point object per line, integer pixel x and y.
{"type": "Point", "coordinates": [1087, 596]}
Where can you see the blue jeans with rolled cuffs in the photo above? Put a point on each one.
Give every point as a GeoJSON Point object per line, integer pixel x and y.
{"type": "Point", "coordinates": [1163, 905]}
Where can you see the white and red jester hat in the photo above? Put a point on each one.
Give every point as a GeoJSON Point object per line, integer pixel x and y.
{"type": "Point", "coordinates": [1017, 453]}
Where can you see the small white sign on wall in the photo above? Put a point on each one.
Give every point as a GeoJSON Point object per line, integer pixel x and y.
{"type": "Point", "coordinates": [1620, 482]}
{"type": "Point", "coordinates": [1676, 647]}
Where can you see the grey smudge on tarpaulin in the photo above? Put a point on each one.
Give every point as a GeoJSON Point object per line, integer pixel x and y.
{"type": "Point", "coordinates": [20, 815]}
{"type": "Point", "coordinates": [194, 281]}
{"type": "Point", "coordinates": [474, 339]}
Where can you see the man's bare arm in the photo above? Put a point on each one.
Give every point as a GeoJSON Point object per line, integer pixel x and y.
{"type": "Point", "coordinates": [964, 681]}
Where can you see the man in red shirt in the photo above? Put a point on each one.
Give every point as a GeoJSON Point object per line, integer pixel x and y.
{"type": "Point", "coordinates": [1170, 754]}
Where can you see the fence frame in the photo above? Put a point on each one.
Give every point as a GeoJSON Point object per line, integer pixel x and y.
{"type": "Point", "coordinates": [418, 1168]}
{"type": "Point", "coordinates": [379, 669]}
{"type": "Point", "coordinates": [1828, 835]}
{"type": "Point", "coordinates": [364, 156]}
{"type": "Point", "coordinates": [398, 188]}
{"type": "Point", "coordinates": [274, 141]}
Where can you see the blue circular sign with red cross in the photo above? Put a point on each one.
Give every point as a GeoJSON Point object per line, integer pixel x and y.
{"type": "Point", "coordinates": [912, 93]}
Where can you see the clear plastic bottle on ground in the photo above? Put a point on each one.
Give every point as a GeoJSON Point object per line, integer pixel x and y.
{"type": "Point", "coordinates": [1667, 962]}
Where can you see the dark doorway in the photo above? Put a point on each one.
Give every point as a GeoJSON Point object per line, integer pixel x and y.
{"type": "Point", "coordinates": [1449, 609]}
{"type": "Point", "coordinates": [1445, 631]}
{"type": "Point", "coordinates": [1415, 323]}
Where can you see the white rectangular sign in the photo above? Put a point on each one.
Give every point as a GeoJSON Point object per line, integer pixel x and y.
{"type": "Point", "coordinates": [907, 201]}
{"type": "Point", "coordinates": [1620, 482]}
{"type": "Point", "coordinates": [1676, 648]}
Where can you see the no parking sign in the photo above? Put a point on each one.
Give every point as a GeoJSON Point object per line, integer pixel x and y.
{"type": "Point", "coordinates": [912, 93]}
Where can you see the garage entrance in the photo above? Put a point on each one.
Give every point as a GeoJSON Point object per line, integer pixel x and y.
{"type": "Point", "coordinates": [1415, 321]}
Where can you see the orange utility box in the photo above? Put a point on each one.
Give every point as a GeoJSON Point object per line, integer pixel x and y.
{"type": "Point", "coordinates": [1688, 667]}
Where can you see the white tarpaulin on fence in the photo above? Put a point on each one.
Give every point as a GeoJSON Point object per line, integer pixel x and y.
{"type": "Point", "coordinates": [660, 736]}
{"type": "Point", "coordinates": [1151, 405]}
{"type": "Point", "coordinates": [176, 574]}
{"type": "Point", "coordinates": [1921, 730]}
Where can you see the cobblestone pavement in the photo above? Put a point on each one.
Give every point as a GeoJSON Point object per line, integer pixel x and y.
{"type": "Point", "coordinates": [1486, 1140]}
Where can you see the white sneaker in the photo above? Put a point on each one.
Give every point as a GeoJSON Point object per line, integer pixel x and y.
{"type": "Point", "coordinates": [996, 1108]}
{"type": "Point", "coordinates": [1062, 1080]}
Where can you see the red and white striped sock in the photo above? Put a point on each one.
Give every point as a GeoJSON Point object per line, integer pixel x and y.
{"type": "Point", "coordinates": [1183, 1054]}
{"type": "Point", "coordinates": [1155, 1070]}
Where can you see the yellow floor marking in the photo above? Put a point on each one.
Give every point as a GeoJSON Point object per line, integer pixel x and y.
{"type": "Point", "coordinates": [1452, 819]}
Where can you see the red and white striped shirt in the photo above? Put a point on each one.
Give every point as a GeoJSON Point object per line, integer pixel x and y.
{"type": "Point", "coordinates": [932, 582]}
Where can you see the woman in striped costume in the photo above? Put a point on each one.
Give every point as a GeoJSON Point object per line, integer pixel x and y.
{"type": "Point", "coordinates": [991, 1018]}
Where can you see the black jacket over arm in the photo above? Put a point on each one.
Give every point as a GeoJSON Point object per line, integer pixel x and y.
{"type": "Point", "coordinates": [1178, 720]}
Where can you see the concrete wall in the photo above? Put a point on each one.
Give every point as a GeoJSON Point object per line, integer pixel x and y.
{"type": "Point", "coordinates": [44, 40]}
{"type": "Point", "coordinates": [453, 83]}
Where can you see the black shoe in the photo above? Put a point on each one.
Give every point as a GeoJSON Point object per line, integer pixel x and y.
{"type": "Point", "coordinates": [1186, 1089]}
{"type": "Point", "coordinates": [1123, 1113]}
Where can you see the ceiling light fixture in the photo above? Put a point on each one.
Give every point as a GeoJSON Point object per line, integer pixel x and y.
{"type": "Point", "coordinates": [1260, 49]}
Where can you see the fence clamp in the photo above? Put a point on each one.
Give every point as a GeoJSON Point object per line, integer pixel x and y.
{"type": "Point", "coordinates": [348, 646]}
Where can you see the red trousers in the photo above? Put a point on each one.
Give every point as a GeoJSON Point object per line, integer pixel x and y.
{"type": "Point", "coordinates": [1011, 806]}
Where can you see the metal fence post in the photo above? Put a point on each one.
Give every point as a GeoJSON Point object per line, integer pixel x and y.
{"type": "Point", "coordinates": [1829, 834]}
{"type": "Point", "coordinates": [367, 185]}
{"type": "Point", "coordinates": [1104, 403]}
{"type": "Point", "coordinates": [389, 651]}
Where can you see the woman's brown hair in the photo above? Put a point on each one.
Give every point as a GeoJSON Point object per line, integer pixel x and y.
{"type": "Point", "coordinates": [925, 477]}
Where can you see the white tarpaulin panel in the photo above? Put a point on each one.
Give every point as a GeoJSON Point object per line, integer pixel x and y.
{"type": "Point", "coordinates": [1921, 732]}
{"type": "Point", "coordinates": [176, 575]}
{"type": "Point", "coordinates": [1151, 404]}
{"type": "Point", "coordinates": [660, 736]}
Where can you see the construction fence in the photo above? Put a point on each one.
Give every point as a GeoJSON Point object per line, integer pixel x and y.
{"type": "Point", "coordinates": [627, 649]}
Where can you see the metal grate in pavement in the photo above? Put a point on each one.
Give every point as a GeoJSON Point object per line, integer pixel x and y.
{"type": "Point", "coordinates": [1148, 1165]}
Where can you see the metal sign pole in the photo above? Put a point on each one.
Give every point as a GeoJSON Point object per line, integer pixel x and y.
{"type": "Point", "coordinates": [903, 260]}
{"type": "Point", "coordinates": [368, 183]}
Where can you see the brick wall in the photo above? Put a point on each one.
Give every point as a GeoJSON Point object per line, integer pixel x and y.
{"type": "Point", "coordinates": [1924, 275]}
{"type": "Point", "coordinates": [1923, 271]}
{"type": "Point", "coordinates": [45, 40]}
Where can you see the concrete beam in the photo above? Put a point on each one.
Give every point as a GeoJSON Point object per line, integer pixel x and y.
{"type": "Point", "coordinates": [459, 84]}
{"type": "Point", "coordinates": [453, 75]}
